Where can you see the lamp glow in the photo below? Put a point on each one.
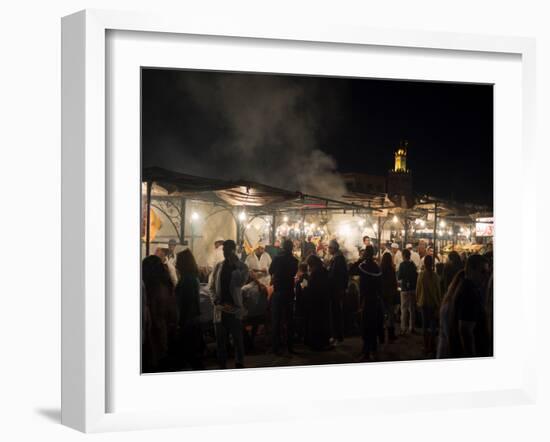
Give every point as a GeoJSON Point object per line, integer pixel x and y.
{"type": "Point", "coordinates": [195, 216]}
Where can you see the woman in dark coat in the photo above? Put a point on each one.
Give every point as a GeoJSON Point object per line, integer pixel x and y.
{"type": "Point", "coordinates": [317, 305]}
{"type": "Point", "coordinates": [389, 292]}
{"type": "Point", "coordinates": [190, 341]}
{"type": "Point", "coordinates": [162, 313]}
{"type": "Point", "coordinates": [370, 291]}
{"type": "Point", "coordinates": [450, 269]}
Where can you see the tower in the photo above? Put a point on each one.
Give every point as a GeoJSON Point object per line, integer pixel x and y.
{"type": "Point", "coordinates": [399, 180]}
{"type": "Point", "coordinates": [401, 158]}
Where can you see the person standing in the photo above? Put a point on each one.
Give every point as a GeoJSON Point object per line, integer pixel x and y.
{"type": "Point", "coordinates": [470, 311]}
{"type": "Point", "coordinates": [171, 253]}
{"type": "Point", "coordinates": [338, 283]}
{"type": "Point", "coordinates": [274, 249]}
{"type": "Point", "coordinates": [283, 269]}
{"type": "Point", "coordinates": [300, 310]}
{"type": "Point", "coordinates": [162, 253]}
{"type": "Point", "coordinates": [389, 293]}
{"type": "Point", "coordinates": [317, 305]}
{"type": "Point", "coordinates": [161, 304]}
{"type": "Point", "coordinates": [451, 268]}
{"type": "Point", "coordinates": [428, 298]}
{"type": "Point", "coordinates": [396, 255]}
{"type": "Point", "coordinates": [422, 249]}
{"type": "Point", "coordinates": [216, 255]}
{"type": "Point", "coordinates": [228, 278]}
{"type": "Point", "coordinates": [309, 247]}
{"type": "Point", "coordinates": [407, 276]}
{"type": "Point", "coordinates": [370, 292]}
{"type": "Point", "coordinates": [367, 242]}
{"type": "Point", "coordinates": [415, 257]}
{"type": "Point", "coordinates": [258, 263]}
{"type": "Point", "coordinates": [190, 341]}
{"type": "Point", "coordinates": [446, 312]}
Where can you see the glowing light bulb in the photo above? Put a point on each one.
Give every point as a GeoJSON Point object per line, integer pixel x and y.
{"type": "Point", "coordinates": [195, 216]}
{"type": "Point", "coordinates": [285, 219]}
{"type": "Point", "coordinates": [443, 223]}
{"type": "Point", "coordinates": [242, 216]}
{"type": "Point", "coordinates": [395, 219]}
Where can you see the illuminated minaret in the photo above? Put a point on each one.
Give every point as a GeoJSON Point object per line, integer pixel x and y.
{"type": "Point", "coordinates": [401, 158]}
{"type": "Point", "coordinates": [399, 180]}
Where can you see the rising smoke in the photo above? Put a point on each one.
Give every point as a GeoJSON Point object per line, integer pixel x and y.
{"type": "Point", "coordinates": [256, 127]}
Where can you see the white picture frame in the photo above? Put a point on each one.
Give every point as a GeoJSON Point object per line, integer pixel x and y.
{"type": "Point", "coordinates": [85, 207]}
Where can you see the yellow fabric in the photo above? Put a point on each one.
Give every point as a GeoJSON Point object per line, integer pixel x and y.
{"type": "Point", "coordinates": [155, 225]}
{"type": "Point", "coordinates": [428, 289]}
{"type": "Point", "coordinates": [247, 247]}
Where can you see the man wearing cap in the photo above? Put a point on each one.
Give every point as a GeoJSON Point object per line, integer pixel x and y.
{"type": "Point", "coordinates": [258, 264]}
{"type": "Point", "coordinates": [415, 257]}
{"type": "Point", "coordinates": [396, 254]}
{"type": "Point", "coordinates": [227, 281]}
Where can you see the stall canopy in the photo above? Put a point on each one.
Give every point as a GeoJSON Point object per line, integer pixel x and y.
{"type": "Point", "coordinates": [238, 193]}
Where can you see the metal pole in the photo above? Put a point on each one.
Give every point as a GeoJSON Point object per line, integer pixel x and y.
{"type": "Point", "coordinates": [182, 221]}
{"type": "Point", "coordinates": [148, 218]}
{"type": "Point", "coordinates": [273, 228]}
{"type": "Point", "coordinates": [379, 235]}
{"type": "Point", "coordinates": [302, 242]}
{"type": "Point", "coordinates": [435, 234]}
{"type": "Point", "coordinates": [405, 237]}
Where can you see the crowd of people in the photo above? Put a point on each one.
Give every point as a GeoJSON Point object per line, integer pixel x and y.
{"type": "Point", "coordinates": [316, 299]}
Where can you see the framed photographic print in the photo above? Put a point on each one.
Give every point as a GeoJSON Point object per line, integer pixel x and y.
{"type": "Point", "coordinates": [274, 221]}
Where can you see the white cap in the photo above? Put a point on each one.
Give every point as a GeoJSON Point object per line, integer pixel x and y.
{"type": "Point", "coordinates": [409, 246]}
{"type": "Point", "coordinates": [394, 245]}
{"type": "Point", "coordinates": [260, 244]}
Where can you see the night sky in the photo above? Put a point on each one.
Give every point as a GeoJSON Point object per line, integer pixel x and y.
{"type": "Point", "coordinates": [296, 132]}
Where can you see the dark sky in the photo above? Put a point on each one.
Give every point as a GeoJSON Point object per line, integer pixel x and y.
{"type": "Point", "coordinates": [297, 131]}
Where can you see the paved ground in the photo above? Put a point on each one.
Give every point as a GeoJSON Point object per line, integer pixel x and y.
{"type": "Point", "coordinates": [405, 348]}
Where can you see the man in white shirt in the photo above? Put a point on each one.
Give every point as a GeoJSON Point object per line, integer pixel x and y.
{"type": "Point", "coordinates": [258, 262]}
{"type": "Point", "coordinates": [430, 251]}
{"type": "Point", "coordinates": [171, 254]}
{"type": "Point", "coordinates": [396, 253]}
{"type": "Point", "coordinates": [216, 255]}
{"type": "Point", "coordinates": [415, 257]}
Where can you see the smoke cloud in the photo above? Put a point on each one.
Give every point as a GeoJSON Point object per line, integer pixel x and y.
{"type": "Point", "coordinates": [255, 127]}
